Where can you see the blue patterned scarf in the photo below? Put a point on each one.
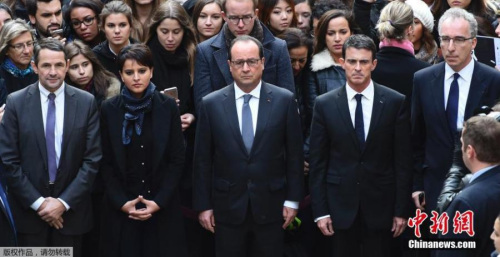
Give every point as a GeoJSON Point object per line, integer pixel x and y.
{"type": "Point", "coordinates": [11, 68]}
{"type": "Point", "coordinates": [135, 109]}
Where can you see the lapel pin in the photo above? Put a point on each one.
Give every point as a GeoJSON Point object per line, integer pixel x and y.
{"type": "Point", "coordinates": [381, 102]}
{"type": "Point", "coordinates": [269, 100]}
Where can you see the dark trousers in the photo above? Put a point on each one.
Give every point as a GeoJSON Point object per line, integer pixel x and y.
{"type": "Point", "coordinates": [51, 237]}
{"type": "Point", "coordinates": [249, 239]}
{"type": "Point", "coordinates": [361, 241]}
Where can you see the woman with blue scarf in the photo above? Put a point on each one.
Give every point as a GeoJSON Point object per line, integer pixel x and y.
{"type": "Point", "coordinates": [143, 157]}
{"type": "Point", "coordinates": [16, 51]}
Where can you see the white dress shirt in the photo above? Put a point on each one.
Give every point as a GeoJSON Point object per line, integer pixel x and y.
{"type": "Point", "coordinates": [58, 129]}
{"type": "Point", "coordinates": [463, 88]}
{"type": "Point", "coordinates": [366, 103]}
{"type": "Point", "coordinates": [367, 106]}
{"type": "Point", "coordinates": [254, 107]}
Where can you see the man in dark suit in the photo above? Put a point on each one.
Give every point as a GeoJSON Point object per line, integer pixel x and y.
{"type": "Point", "coordinates": [444, 95]}
{"type": "Point", "coordinates": [248, 166]}
{"type": "Point", "coordinates": [360, 173]}
{"type": "Point", "coordinates": [8, 229]}
{"type": "Point", "coordinates": [51, 148]}
{"type": "Point", "coordinates": [211, 67]}
{"type": "Point", "coordinates": [481, 155]}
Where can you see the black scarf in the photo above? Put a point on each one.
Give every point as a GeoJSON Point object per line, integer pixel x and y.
{"type": "Point", "coordinates": [257, 32]}
{"type": "Point", "coordinates": [135, 109]}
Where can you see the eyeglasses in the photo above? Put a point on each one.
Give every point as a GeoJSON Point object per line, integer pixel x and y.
{"type": "Point", "coordinates": [250, 62]}
{"type": "Point", "coordinates": [456, 40]}
{"type": "Point", "coordinates": [87, 21]}
{"type": "Point", "coordinates": [20, 47]}
{"type": "Point", "coordinates": [236, 19]}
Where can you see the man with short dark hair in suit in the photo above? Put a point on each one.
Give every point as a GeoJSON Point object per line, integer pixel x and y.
{"type": "Point", "coordinates": [481, 155]}
{"type": "Point", "coordinates": [211, 71]}
{"type": "Point", "coordinates": [444, 95]}
{"type": "Point", "coordinates": [51, 148]}
{"type": "Point", "coordinates": [248, 159]}
{"type": "Point", "coordinates": [360, 177]}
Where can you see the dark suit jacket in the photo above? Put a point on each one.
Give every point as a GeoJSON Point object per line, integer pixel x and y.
{"type": "Point", "coordinates": [482, 196]}
{"type": "Point", "coordinates": [345, 179]}
{"type": "Point", "coordinates": [211, 71]}
{"type": "Point", "coordinates": [227, 178]}
{"type": "Point", "coordinates": [7, 233]}
{"type": "Point", "coordinates": [167, 163]}
{"type": "Point", "coordinates": [433, 141]}
{"type": "Point", "coordinates": [24, 154]}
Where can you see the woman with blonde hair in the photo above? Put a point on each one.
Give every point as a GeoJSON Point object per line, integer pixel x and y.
{"type": "Point", "coordinates": [396, 62]}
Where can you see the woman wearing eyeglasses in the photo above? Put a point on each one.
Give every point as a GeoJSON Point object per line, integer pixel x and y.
{"type": "Point", "coordinates": [16, 51]}
{"type": "Point", "coordinates": [83, 19]}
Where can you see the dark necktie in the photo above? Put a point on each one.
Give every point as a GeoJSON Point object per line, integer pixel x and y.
{"type": "Point", "coordinates": [358, 121]}
{"type": "Point", "coordinates": [452, 105]}
{"type": "Point", "coordinates": [7, 208]}
{"type": "Point", "coordinates": [246, 123]}
{"type": "Point", "coordinates": [50, 137]}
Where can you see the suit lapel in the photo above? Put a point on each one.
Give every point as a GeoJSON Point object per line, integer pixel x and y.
{"type": "Point", "coordinates": [35, 113]}
{"type": "Point", "coordinates": [232, 116]}
{"type": "Point", "coordinates": [70, 106]}
{"type": "Point", "coordinates": [438, 93]}
{"type": "Point", "coordinates": [377, 109]}
{"type": "Point", "coordinates": [265, 109]}
{"type": "Point", "coordinates": [343, 107]}
{"type": "Point", "coordinates": [476, 91]}
{"type": "Point", "coordinates": [160, 127]}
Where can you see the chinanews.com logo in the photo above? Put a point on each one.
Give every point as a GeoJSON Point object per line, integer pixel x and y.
{"type": "Point", "coordinates": [463, 224]}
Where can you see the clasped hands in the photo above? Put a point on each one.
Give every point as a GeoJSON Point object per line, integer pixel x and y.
{"type": "Point", "coordinates": [143, 213]}
{"type": "Point", "coordinates": [51, 211]}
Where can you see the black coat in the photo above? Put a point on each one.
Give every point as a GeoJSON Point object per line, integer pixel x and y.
{"type": "Point", "coordinates": [395, 69]}
{"type": "Point", "coordinates": [167, 163]}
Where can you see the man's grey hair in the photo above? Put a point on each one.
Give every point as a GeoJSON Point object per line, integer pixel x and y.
{"type": "Point", "coordinates": [459, 13]}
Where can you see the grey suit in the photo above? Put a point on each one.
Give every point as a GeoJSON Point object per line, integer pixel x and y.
{"type": "Point", "coordinates": [24, 154]}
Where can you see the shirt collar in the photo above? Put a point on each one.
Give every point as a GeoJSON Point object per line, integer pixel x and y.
{"type": "Point", "coordinates": [465, 73]}
{"type": "Point", "coordinates": [481, 172]}
{"type": "Point", "coordinates": [45, 93]}
{"type": "Point", "coordinates": [368, 92]}
{"type": "Point", "coordinates": [238, 93]}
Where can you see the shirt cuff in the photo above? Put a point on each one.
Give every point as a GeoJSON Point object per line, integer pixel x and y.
{"type": "Point", "coordinates": [291, 204]}
{"type": "Point", "coordinates": [37, 203]}
{"type": "Point", "coordinates": [64, 203]}
{"type": "Point", "coordinates": [322, 217]}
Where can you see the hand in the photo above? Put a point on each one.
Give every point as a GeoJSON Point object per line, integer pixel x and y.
{"type": "Point", "coordinates": [60, 38]}
{"type": "Point", "coordinates": [186, 120]}
{"type": "Point", "coordinates": [130, 205]}
{"type": "Point", "coordinates": [57, 224]}
{"type": "Point", "coordinates": [306, 168]}
{"type": "Point", "coordinates": [2, 111]}
{"type": "Point", "coordinates": [207, 221]}
{"type": "Point", "coordinates": [144, 213]}
{"type": "Point", "coordinates": [398, 226]}
{"type": "Point", "coordinates": [325, 225]}
{"type": "Point", "coordinates": [52, 211]}
{"type": "Point", "coordinates": [418, 204]}
{"type": "Point", "coordinates": [288, 215]}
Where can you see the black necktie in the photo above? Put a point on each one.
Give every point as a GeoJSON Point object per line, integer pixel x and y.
{"type": "Point", "coordinates": [452, 105]}
{"type": "Point", "coordinates": [358, 122]}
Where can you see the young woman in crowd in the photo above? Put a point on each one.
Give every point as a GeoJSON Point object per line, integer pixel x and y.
{"type": "Point", "coordinates": [396, 62]}
{"type": "Point", "coordinates": [333, 29]}
{"type": "Point", "coordinates": [423, 42]}
{"type": "Point", "coordinates": [5, 14]}
{"type": "Point", "coordinates": [117, 24]}
{"type": "Point", "coordinates": [207, 19]}
{"type": "Point", "coordinates": [143, 11]}
{"type": "Point", "coordinates": [86, 72]}
{"type": "Point", "coordinates": [303, 12]}
{"type": "Point", "coordinates": [16, 51]}
{"type": "Point", "coordinates": [143, 158]}
{"type": "Point", "coordinates": [82, 16]}
{"type": "Point", "coordinates": [277, 15]}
